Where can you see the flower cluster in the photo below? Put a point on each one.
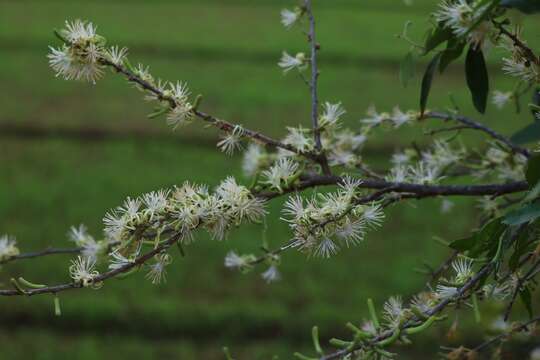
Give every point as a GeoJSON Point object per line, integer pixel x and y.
{"type": "Point", "coordinates": [8, 247]}
{"type": "Point", "coordinates": [327, 221]}
{"type": "Point", "coordinates": [80, 57]}
{"type": "Point", "coordinates": [181, 210]}
{"type": "Point", "coordinates": [519, 64]}
{"type": "Point", "coordinates": [463, 16]}
{"type": "Point", "coordinates": [502, 164]}
{"type": "Point", "coordinates": [429, 168]}
{"type": "Point", "coordinates": [82, 271]}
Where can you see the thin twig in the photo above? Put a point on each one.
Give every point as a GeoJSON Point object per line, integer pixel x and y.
{"type": "Point", "coordinates": [478, 126]}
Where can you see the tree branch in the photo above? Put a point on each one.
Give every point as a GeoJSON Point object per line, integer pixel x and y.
{"type": "Point", "coordinates": [478, 126]}
{"type": "Point", "coordinates": [314, 88]}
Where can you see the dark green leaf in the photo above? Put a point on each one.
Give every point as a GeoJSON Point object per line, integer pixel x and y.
{"type": "Point", "coordinates": [528, 134]}
{"type": "Point", "coordinates": [520, 248]}
{"type": "Point", "coordinates": [407, 69]}
{"type": "Point", "coordinates": [427, 80]}
{"type": "Point", "coordinates": [481, 241]}
{"type": "Point", "coordinates": [526, 299]}
{"type": "Point", "coordinates": [532, 173]}
{"type": "Point", "coordinates": [526, 6]}
{"type": "Point", "coordinates": [436, 37]}
{"type": "Point", "coordinates": [536, 101]}
{"type": "Point", "coordinates": [454, 48]}
{"type": "Point", "coordinates": [477, 78]}
{"type": "Point", "coordinates": [525, 214]}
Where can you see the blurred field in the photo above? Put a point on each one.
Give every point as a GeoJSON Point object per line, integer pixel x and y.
{"type": "Point", "coordinates": [65, 174]}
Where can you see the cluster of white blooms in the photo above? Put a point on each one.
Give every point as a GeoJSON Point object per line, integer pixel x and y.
{"type": "Point", "coordinates": [461, 16]}
{"type": "Point", "coordinates": [255, 159]}
{"type": "Point", "coordinates": [89, 246]}
{"type": "Point", "coordinates": [429, 169]}
{"type": "Point", "coordinates": [325, 222]}
{"type": "Point", "coordinates": [518, 64]}
{"type": "Point", "coordinates": [83, 56]}
{"type": "Point", "coordinates": [181, 210]}
{"type": "Point", "coordinates": [502, 164]}
{"type": "Point", "coordinates": [80, 57]}
{"type": "Point", "coordinates": [246, 263]}
{"type": "Point", "coordinates": [8, 247]}
{"type": "Point", "coordinates": [82, 270]}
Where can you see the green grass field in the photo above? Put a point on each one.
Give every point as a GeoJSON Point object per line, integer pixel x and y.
{"type": "Point", "coordinates": [228, 52]}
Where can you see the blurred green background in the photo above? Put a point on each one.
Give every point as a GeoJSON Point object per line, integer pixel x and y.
{"type": "Point", "coordinates": [69, 151]}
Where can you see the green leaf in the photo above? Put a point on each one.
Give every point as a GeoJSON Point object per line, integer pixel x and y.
{"type": "Point", "coordinates": [523, 215]}
{"type": "Point", "coordinates": [536, 101]}
{"type": "Point", "coordinates": [427, 80]}
{"type": "Point", "coordinates": [532, 173]}
{"type": "Point", "coordinates": [526, 6]}
{"type": "Point", "coordinates": [526, 299]}
{"type": "Point", "coordinates": [436, 37]}
{"type": "Point", "coordinates": [454, 49]}
{"type": "Point", "coordinates": [520, 248]}
{"type": "Point", "coordinates": [528, 134]}
{"type": "Point", "coordinates": [407, 69]}
{"type": "Point", "coordinates": [481, 241]}
{"type": "Point", "coordinates": [477, 78]}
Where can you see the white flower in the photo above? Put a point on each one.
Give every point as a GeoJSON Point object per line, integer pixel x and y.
{"type": "Point", "coordinates": [271, 275]}
{"type": "Point", "coordinates": [401, 158]}
{"type": "Point", "coordinates": [463, 269]}
{"type": "Point", "coordinates": [116, 55]}
{"type": "Point", "coordinates": [373, 215]}
{"type": "Point", "coordinates": [497, 292]}
{"type": "Point", "coordinates": [232, 141]}
{"type": "Point", "coordinates": [326, 248]}
{"type": "Point", "coordinates": [423, 173]}
{"type": "Point", "coordinates": [294, 207]}
{"type": "Point", "coordinates": [180, 115]}
{"type": "Point", "coordinates": [76, 65]}
{"type": "Point", "coordinates": [280, 172]}
{"type": "Point", "coordinates": [82, 270]}
{"type": "Point", "coordinates": [331, 115]}
{"type": "Point", "coordinates": [343, 157]}
{"type": "Point", "coordinates": [287, 62]}
{"type": "Point", "coordinates": [501, 98]}
{"type": "Point", "coordinates": [155, 202]}
{"type": "Point", "coordinates": [298, 138]}
{"type": "Point", "coordinates": [118, 260]}
{"type": "Point", "coordinates": [289, 18]}
{"type": "Point", "coordinates": [78, 31]}
{"type": "Point", "coordinates": [253, 160]}
{"type": "Point", "coordinates": [374, 118]}
{"type": "Point", "coordinates": [234, 261]}
{"type": "Point", "coordinates": [525, 70]}
{"type": "Point", "coordinates": [496, 155]}
{"type": "Point", "coordinates": [8, 247]}
{"type": "Point", "coordinates": [157, 271]}
{"type": "Point", "coordinates": [441, 155]}
{"type": "Point", "coordinates": [399, 118]}
{"type": "Point", "coordinates": [79, 235]}
{"type": "Point", "coordinates": [393, 311]}
{"type": "Point", "coordinates": [398, 174]}
{"type": "Point", "coordinates": [349, 185]}
{"type": "Point", "coordinates": [352, 231]}
{"type": "Point", "coordinates": [423, 302]}
{"type": "Point", "coordinates": [349, 140]}
{"type": "Point", "coordinates": [446, 292]}
{"type": "Point", "coordinates": [461, 16]}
